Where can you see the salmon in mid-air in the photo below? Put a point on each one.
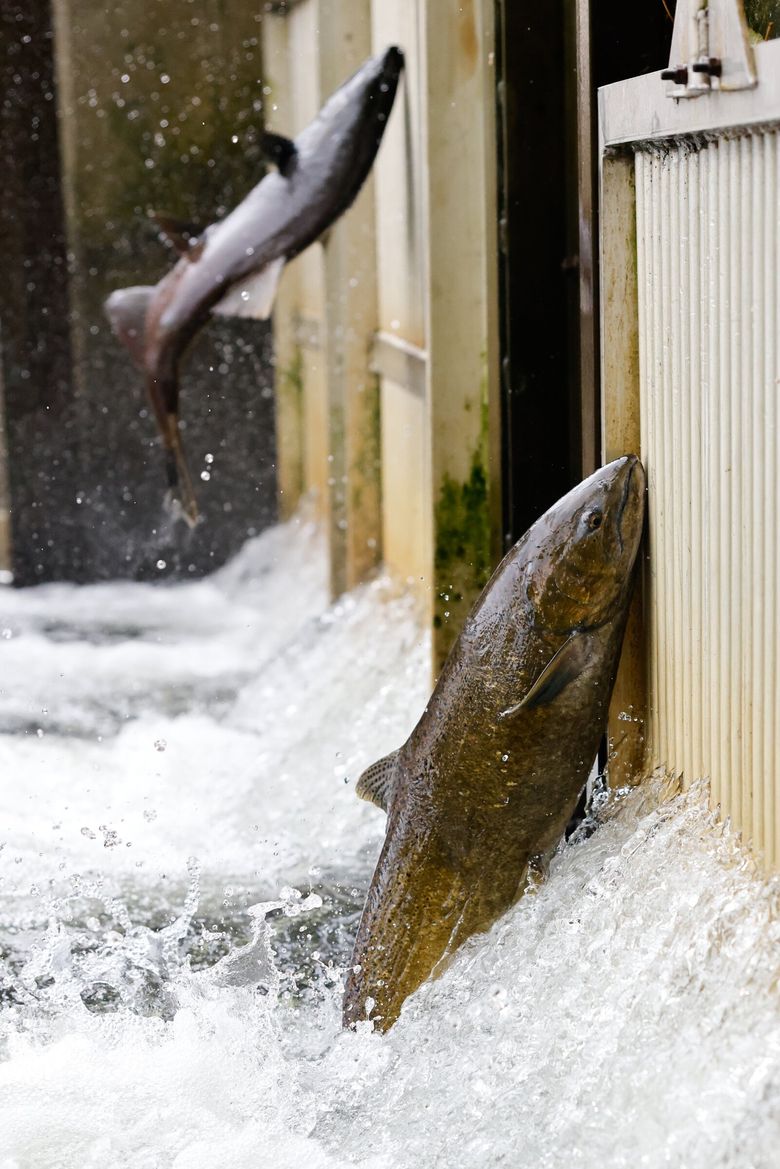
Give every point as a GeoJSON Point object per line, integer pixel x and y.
{"type": "Point", "coordinates": [491, 774]}
{"type": "Point", "coordinates": [234, 266]}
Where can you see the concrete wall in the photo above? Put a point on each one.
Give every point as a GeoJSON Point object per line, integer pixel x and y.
{"type": "Point", "coordinates": [388, 332]}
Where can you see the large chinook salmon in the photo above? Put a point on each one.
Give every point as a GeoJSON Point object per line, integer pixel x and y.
{"type": "Point", "coordinates": [233, 267]}
{"type": "Point", "coordinates": [491, 774]}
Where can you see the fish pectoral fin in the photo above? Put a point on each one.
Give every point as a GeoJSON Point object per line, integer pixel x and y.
{"type": "Point", "coordinates": [377, 783]}
{"type": "Point", "coordinates": [254, 296]}
{"type": "Point", "coordinates": [562, 668]}
{"type": "Point", "coordinates": [281, 151]}
{"type": "Point", "coordinates": [182, 233]}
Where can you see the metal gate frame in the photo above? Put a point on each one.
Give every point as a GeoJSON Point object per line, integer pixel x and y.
{"type": "Point", "coordinates": [641, 112]}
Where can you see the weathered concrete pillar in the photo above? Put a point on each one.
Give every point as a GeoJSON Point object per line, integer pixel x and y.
{"type": "Point", "coordinates": [288, 355]}
{"type": "Point", "coordinates": [350, 323]}
{"type": "Point", "coordinates": [461, 305]}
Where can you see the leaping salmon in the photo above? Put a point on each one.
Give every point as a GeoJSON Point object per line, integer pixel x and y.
{"type": "Point", "coordinates": [491, 774]}
{"type": "Point", "coordinates": [234, 265]}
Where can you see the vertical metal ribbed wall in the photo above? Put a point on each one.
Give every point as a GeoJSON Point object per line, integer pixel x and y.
{"type": "Point", "coordinates": [708, 230]}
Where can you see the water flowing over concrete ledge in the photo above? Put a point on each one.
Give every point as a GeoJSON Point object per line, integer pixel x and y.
{"type": "Point", "coordinates": [195, 754]}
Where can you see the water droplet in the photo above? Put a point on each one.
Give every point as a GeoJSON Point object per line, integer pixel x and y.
{"type": "Point", "coordinates": [160, 744]}
{"type": "Point", "coordinates": [161, 564]}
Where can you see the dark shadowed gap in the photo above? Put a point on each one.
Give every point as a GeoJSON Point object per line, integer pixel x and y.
{"type": "Point", "coordinates": [35, 345]}
{"type": "Point", "coordinates": [534, 261]}
{"type": "Point", "coordinates": [550, 61]}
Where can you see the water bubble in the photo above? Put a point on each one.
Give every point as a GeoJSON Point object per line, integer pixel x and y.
{"type": "Point", "coordinates": [88, 833]}
{"type": "Point", "coordinates": [160, 744]}
{"type": "Point", "coordinates": [161, 564]}
{"type": "Point", "coordinates": [110, 836]}
{"type": "Point", "coordinates": [205, 476]}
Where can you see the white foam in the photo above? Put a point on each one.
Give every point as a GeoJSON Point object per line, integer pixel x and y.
{"type": "Point", "coordinates": [624, 1014]}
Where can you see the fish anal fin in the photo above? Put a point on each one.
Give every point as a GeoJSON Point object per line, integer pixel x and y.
{"type": "Point", "coordinates": [126, 311]}
{"type": "Point", "coordinates": [253, 296]}
{"type": "Point", "coordinates": [377, 783]}
{"type": "Point", "coordinates": [562, 668]}
{"type": "Point", "coordinates": [184, 235]}
{"type": "Point", "coordinates": [281, 151]}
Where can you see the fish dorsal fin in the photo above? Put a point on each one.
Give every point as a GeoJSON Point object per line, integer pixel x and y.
{"type": "Point", "coordinates": [281, 151]}
{"type": "Point", "coordinates": [253, 296]}
{"type": "Point", "coordinates": [126, 310]}
{"type": "Point", "coordinates": [562, 668]}
{"type": "Point", "coordinates": [182, 233]}
{"type": "Point", "coordinates": [377, 783]}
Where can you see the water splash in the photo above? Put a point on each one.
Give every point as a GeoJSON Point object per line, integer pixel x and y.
{"type": "Point", "coordinates": [157, 1011]}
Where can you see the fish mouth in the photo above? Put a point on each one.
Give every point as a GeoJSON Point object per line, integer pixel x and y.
{"type": "Point", "coordinates": [392, 61]}
{"type": "Point", "coordinates": [633, 477]}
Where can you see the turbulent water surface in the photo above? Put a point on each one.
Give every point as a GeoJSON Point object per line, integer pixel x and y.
{"type": "Point", "coordinates": [182, 862]}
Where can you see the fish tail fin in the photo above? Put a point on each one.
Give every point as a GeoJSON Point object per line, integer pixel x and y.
{"type": "Point", "coordinates": [180, 499]}
{"type": "Point", "coordinates": [126, 310]}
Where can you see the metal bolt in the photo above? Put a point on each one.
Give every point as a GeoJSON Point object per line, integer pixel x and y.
{"type": "Point", "coordinates": [678, 75]}
{"type": "Point", "coordinates": [712, 67]}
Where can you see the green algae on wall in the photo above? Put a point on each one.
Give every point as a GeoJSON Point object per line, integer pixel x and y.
{"type": "Point", "coordinates": [463, 551]}
{"type": "Point", "coordinates": [462, 557]}
{"type": "Point", "coordinates": [763, 17]}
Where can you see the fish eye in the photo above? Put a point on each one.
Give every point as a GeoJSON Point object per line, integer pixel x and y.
{"type": "Point", "coordinates": [593, 519]}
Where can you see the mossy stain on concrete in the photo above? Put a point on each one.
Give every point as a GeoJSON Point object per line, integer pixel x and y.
{"type": "Point", "coordinates": [462, 554]}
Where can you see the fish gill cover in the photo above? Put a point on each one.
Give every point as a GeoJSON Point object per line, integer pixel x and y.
{"type": "Point", "coordinates": [172, 757]}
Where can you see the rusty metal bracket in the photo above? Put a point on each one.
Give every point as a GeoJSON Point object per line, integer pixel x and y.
{"type": "Point", "coordinates": [711, 50]}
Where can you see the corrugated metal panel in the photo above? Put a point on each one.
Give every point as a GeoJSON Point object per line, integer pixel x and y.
{"type": "Point", "coordinates": [707, 242]}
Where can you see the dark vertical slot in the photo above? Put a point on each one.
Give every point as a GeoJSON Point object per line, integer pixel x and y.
{"type": "Point", "coordinates": [551, 61]}
{"type": "Point", "coordinates": [535, 261]}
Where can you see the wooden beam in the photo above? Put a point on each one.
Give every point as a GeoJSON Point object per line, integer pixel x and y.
{"type": "Point", "coordinates": [621, 435]}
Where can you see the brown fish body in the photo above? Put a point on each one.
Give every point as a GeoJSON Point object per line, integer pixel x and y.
{"type": "Point", "coordinates": [490, 776]}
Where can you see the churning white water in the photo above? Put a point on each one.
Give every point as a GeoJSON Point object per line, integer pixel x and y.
{"type": "Point", "coordinates": [182, 862]}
